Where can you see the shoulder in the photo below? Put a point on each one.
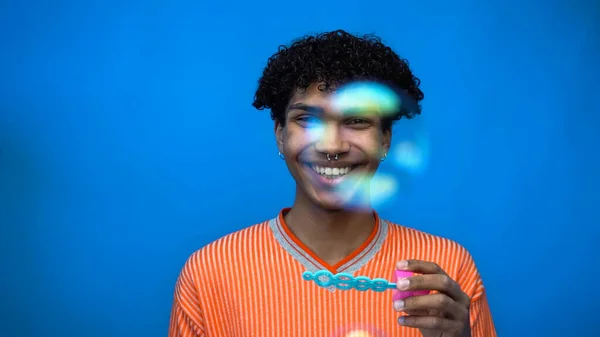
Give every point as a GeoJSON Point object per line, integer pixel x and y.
{"type": "Point", "coordinates": [232, 245]}
{"type": "Point", "coordinates": [228, 253]}
{"type": "Point", "coordinates": [426, 243]}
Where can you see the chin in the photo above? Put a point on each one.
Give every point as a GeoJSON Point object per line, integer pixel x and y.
{"type": "Point", "coordinates": [331, 207]}
{"type": "Point", "coordinates": [332, 202]}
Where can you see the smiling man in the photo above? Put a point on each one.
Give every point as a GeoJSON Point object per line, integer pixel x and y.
{"type": "Point", "coordinates": [250, 283]}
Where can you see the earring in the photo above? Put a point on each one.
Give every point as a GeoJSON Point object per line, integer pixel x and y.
{"type": "Point", "coordinates": [384, 157]}
{"type": "Point", "coordinates": [281, 155]}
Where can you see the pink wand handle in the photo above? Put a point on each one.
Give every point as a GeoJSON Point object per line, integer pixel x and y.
{"type": "Point", "coordinates": [399, 295]}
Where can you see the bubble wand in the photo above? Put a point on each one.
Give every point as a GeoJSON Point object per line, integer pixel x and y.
{"type": "Point", "coordinates": [346, 281]}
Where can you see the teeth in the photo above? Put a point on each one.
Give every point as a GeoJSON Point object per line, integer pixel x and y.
{"type": "Point", "coordinates": [331, 171]}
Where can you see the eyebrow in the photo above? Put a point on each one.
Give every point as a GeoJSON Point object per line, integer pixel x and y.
{"type": "Point", "coordinates": [305, 107]}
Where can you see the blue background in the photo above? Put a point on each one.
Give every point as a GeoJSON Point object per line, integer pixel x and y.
{"type": "Point", "coordinates": [127, 141]}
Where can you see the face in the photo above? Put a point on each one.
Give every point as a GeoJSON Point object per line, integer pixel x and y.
{"type": "Point", "coordinates": [315, 129]}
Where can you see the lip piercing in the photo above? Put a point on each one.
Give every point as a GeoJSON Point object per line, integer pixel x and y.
{"type": "Point", "coordinates": [329, 157]}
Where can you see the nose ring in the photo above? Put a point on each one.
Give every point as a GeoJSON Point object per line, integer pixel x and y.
{"type": "Point", "coordinates": [334, 158]}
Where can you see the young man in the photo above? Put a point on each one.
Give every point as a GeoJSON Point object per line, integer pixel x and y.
{"type": "Point", "coordinates": [250, 283]}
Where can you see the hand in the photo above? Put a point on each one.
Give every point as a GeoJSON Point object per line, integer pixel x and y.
{"type": "Point", "coordinates": [445, 314]}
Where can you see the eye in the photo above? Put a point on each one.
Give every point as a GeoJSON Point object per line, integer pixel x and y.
{"type": "Point", "coordinates": [359, 122]}
{"type": "Point", "coordinates": [307, 120]}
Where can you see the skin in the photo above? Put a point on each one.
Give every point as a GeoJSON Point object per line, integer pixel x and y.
{"type": "Point", "coordinates": [321, 219]}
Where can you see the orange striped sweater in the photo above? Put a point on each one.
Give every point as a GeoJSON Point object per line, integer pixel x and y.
{"type": "Point", "coordinates": [249, 283]}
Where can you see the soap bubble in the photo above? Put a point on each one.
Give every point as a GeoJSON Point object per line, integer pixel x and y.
{"type": "Point", "coordinates": [366, 98]}
{"type": "Point", "coordinates": [316, 131]}
{"type": "Point", "coordinates": [359, 330]}
{"type": "Point", "coordinates": [363, 191]}
{"type": "Point", "coordinates": [358, 333]}
{"type": "Point", "coordinates": [410, 146]}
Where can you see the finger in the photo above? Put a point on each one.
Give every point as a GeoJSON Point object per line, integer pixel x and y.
{"type": "Point", "coordinates": [423, 313]}
{"type": "Point", "coordinates": [440, 282]}
{"type": "Point", "coordinates": [435, 312]}
{"type": "Point", "coordinates": [439, 302]}
{"type": "Point", "coordinates": [417, 312]}
{"type": "Point", "coordinates": [420, 266]}
{"type": "Point", "coordinates": [431, 322]}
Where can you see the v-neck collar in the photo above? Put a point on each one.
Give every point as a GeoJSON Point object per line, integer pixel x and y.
{"type": "Point", "coordinates": [312, 262]}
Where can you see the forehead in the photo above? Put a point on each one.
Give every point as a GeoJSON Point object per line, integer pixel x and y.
{"type": "Point", "coordinates": [313, 96]}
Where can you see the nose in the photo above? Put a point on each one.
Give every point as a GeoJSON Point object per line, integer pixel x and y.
{"type": "Point", "coordinates": [332, 141]}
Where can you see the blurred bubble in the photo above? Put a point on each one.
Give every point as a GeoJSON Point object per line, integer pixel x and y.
{"type": "Point", "coordinates": [363, 191]}
{"type": "Point", "coordinates": [366, 98]}
{"type": "Point", "coordinates": [410, 149]}
{"type": "Point", "coordinates": [316, 131]}
{"type": "Point", "coordinates": [411, 156]}
{"type": "Point", "coordinates": [359, 330]}
{"type": "Point", "coordinates": [383, 188]}
{"type": "Point", "coordinates": [358, 333]}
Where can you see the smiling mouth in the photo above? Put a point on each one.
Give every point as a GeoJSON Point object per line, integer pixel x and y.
{"type": "Point", "coordinates": [332, 172]}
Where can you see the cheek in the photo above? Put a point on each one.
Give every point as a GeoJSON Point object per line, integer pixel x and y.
{"type": "Point", "coordinates": [370, 144]}
{"type": "Point", "coordinates": [295, 141]}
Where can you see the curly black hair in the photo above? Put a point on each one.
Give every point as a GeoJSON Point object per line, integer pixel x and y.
{"type": "Point", "coordinates": [333, 58]}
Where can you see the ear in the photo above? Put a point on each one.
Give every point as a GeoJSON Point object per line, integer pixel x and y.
{"type": "Point", "coordinates": [279, 136]}
{"type": "Point", "coordinates": [386, 141]}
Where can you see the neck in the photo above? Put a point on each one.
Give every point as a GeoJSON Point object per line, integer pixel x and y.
{"type": "Point", "coordinates": [331, 234]}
